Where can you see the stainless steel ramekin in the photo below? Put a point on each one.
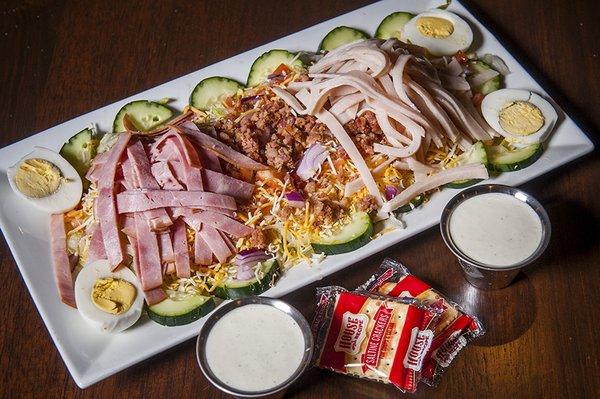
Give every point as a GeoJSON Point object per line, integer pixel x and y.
{"type": "Point", "coordinates": [481, 275]}
{"type": "Point", "coordinates": [219, 313]}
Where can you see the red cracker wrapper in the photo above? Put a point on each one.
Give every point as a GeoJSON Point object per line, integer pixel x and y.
{"type": "Point", "coordinates": [372, 336]}
{"type": "Point", "coordinates": [454, 329]}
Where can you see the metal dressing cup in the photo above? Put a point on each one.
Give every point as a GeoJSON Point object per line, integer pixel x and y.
{"type": "Point", "coordinates": [482, 275]}
{"type": "Point", "coordinates": [222, 311]}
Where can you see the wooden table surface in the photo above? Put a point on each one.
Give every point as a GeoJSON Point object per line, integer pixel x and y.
{"type": "Point", "coordinates": [62, 59]}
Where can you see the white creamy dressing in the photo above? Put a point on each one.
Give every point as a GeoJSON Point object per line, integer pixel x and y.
{"type": "Point", "coordinates": [495, 229]}
{"type": "Point", "coordinates": [254, 347]}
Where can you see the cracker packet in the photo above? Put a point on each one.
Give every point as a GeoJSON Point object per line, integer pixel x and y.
{"type": "Point", "coordinates": [454, 329]}
{"type": "Point", "coordinates": [372, 336]}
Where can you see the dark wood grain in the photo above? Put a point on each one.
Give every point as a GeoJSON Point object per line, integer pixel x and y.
{"type": "Point", "coordinates": [61, 59]}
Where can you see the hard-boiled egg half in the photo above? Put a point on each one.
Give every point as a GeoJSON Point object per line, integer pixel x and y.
{"type": "Point", "coordinates": [112, 301]}
{"type": "Point", "coordinates": [439, 31]}
{"type": "Point", "coordinates": [522, 117]}
{"type": "Point", "coordinates": [47, 180]}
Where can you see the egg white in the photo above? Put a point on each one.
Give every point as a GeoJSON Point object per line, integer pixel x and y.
{"type": "Point", "coordinates": [68, 194]}
{"type": "Point", "coordinates": [101, 320]}
{"type": "Point", "coordinates": [460, 39]}
{"type": "Point", "coordinates": [494, 102]}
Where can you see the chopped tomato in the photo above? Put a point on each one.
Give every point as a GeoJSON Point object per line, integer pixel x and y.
{"type": "Point", "coordinates": [282, 68]}
{"type": "Point", "coordinates": [229, 102]}
{"type": "Point", "coordinates": [461, 57]}
{"type": "Point", "coordinates": [477, 99]}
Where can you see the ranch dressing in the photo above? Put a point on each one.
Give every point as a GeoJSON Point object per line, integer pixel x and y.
{"type": "Point", "coordinates": [254, 347]}
{"type": "Point", "coordinates": [495, 229]}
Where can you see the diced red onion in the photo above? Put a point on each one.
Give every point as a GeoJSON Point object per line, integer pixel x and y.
{"type": "Point", "coordinates": [311, 161]}
{"type": "Point", "coordinates": [482, 77]}
{"type": "Point", "coordinates": [251, 257]}
{"type": "Point", "coordinates": [497, 63]}
{"type": "Point", "coordinates": [249, 252]}
{"type": "Point", "coordinates": [245, 272]}
{"type": "Point", "coordinates": [246, 260]}
{"type": "Point", "coordinates": [454, 68]}
{"type": "Point", "coordinates": [295, 199]}
{"type": "Point", "coordinates": [390, 192]}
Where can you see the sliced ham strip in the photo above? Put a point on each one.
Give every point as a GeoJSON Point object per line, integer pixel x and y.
{"type": "Point", "coordinates": [209, 159]}
{"type": "Point", "coordinates": [106, 207]}
{"type": "Point", "coordinates": [202, 253]}
{"type": "Point", "coordinates": [165, 246]}
{"type": "Point", "coordinates": [180, 247]}
{"type": "Point", "coordinates": [227, 241]}
{"type": "Point", "coordinates": [222, 184]}
{"type": "Point", "coordinates": [60, 260]}
{"type": "Point", "coordinates": [164, 176]}
{"type": "Point", "coordinates": [188, 157]}
{"type": "Point", "coordinates": [96, 249]}
{"type": "Point", "coordinates": [168, 268]}
{"type": "Point", "coordinates": [154, 295]}
{"type": "Point", "coordinates": [94, 172]}
{"type": "Point", "coordinates": [143, 200]}
{"type": "Point", "coordinates": [140, 166]}
{"type": "Point", "coordinates": [180, 211]}
{"type": "Point", "coordinates": [148, 255]}
{"type": "Point", "coordinates": [128, 227]}
{"type": "Point", "coordinates": [215, 242]}
{"type": "Point", "coordinates": [137, 167]}
{"type": "Point", "coordinates": [219, 222]}
{"type": "Point", "coordinates": [471, 171]}
{"type": "Point", "coordinates": [222, 211]}
{"type": "Point", "coordinates": [223, 151]}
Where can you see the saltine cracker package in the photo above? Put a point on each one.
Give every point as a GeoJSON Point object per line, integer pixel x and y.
{"type": "Point", "coordinates": [454, 329]}
{"type": "Point", "coordinates": [372, 336]}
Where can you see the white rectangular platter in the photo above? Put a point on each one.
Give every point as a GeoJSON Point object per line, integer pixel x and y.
{"type": "Point", "coordinates": [90, 355]}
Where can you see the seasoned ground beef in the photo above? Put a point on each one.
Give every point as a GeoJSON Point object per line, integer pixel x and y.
{"type": "Point", "coordinates": [326, 212]}
{"type": "Point", "coordinates": [365, 131]}
{"type": "Point", "coordinates": [368, 204]}
{"type": "Point", "coordinates": [258, 239]}
{"type": "Point", "coordinates": [272, 134]}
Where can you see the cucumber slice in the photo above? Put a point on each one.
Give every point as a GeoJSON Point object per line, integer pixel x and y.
{"type": "Point", "coordinates": [475, 154]}
{"type": "Point", "coordinates": [177, 312]}
{"type": "Point", "coordinates": [350, 237]}
{"type": "Point", "coordinates": [502, 159]}
{"type": "Point", "coordinates": [79, 151]}
{"type": "Point", "coordinates": [235, 289]}
{"type": "Point", "coordinates": [414, 203]}
{"type": "Point", "coordinates": [392, 25]}
{"type": "Point", "coordinates": [264, 65]}
{"type": "Point", "coordinates": [211, 91]}
{"type": "Point", "coordinates": [146, 115]}
{"type": "Point", "coordinates": [491, 85]}
{"type": "Point", "coordinates": [339, 36]}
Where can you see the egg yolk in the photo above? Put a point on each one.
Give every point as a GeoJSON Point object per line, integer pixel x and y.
{"type": "Point", "coordinates": [113, 295]}
{"type": "Point", "coordinates": [37, 178]}
{"type": "Point", "coordinates": [521, 117]}
{"type": "Point", "coordinates": [438, 28]}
